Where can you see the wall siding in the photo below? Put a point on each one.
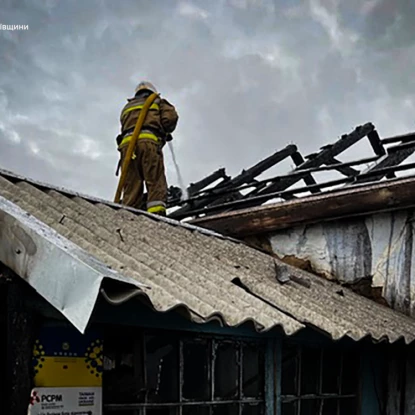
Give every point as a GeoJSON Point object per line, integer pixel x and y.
{"type": "Point", "coordinates": [379, 247]}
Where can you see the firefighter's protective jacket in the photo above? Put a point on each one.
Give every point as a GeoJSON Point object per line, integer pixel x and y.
{"type": "Point", "coordinates": [160, 121]}
{"type": "Point", "coordinates": [147, 164]}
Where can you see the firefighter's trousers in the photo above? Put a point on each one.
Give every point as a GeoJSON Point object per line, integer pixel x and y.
{"type": "Point", "coordinates": [147, 166]}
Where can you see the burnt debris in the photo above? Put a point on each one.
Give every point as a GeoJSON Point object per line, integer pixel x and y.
{"type": "Point", "coordinates": [219, 193]}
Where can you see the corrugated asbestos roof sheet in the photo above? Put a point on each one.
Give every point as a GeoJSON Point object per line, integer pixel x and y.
{"type": "Point", "coordinates": [63, 245]}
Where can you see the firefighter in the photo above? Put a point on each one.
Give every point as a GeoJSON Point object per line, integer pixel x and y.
{"type": "Point", "coordinates": [147, 164]}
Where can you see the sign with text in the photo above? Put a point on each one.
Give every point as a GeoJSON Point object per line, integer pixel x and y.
{"type": "Point", "coordinates": [63, 357]}
{"type": "Point", "coordinates": [66, 401]}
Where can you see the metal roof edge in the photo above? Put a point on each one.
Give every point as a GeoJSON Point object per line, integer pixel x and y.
{"type": "Point", "coordinates": [128, 295]}
{"type": "Point", "coordinates": [60, 271]}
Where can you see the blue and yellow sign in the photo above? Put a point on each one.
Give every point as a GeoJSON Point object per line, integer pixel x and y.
{"type": "Point", "coordinates": [63, 357]}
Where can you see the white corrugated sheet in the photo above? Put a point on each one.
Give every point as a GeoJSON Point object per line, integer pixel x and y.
{"type": "Point", "coordinates": [65, 245]}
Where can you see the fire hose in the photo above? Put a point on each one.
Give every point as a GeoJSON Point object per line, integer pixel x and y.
{"type": "Point", "coordinates": [131, 146]}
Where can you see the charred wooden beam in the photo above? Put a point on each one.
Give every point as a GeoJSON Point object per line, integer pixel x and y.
{"type": "Point", "coordinates": [343, 168]}
{"type": "Point", "coordinates": [340, 164]}
{"type": "Point", "coordinates": [246, 203]}
{"type": "Point", "coordinates": [309, 180]}
{"type": "Point", "coordinates": [300, 173]}
{"type": "Point", "coordinates": [297, 158]}
{"type": "Point", "coordinates": [245, 177]}
{"type": "Point", "coordinates": [322, 157]}
{"type": "Point", "coordinates": [283, 182]}
{"type": "Point", "coordinates": [404, 138]}
{"type": "Point", "coordinates": [376, 143]}
{"type": "Point", "coordinates": [401, 147]}
{"type": "Point", "coordinates": [174, 195]}
{"type": "Point", "coordinates": [258, 200]}
{"type": "Point", "coordinates": [396, 155]}
{"type": "Point", "coordinates": [260, 184]}
{"type": "Point", "coordinates": [345, 203]}
{"type": "Point", "coordinates": [337, 165]}
{"type": "Point", "coordinates": [208, 180]}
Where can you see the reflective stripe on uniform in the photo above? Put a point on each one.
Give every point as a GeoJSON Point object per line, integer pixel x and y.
{"type": "Point", "coordinates": [156, 209]}
{"type": "Point", "coordinates": [156, 203]}
{"type": "Point", "coordinates": [148, 136]}
{"type": "Point", "coordinates": [138, 107]}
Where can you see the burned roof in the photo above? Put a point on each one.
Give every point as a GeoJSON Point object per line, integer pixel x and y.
{"type": "Point", "coordinates": [218, 193]}
{"type": "Point", "coordinates": [364, 199]}
{"type": "Point", "coordinates": [72, 248]}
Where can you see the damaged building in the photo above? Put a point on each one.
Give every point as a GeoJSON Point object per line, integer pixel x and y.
{"type": "Point", "coordinates": [298, 307]}
{"type": "Point", "coordinates": [355, 230]}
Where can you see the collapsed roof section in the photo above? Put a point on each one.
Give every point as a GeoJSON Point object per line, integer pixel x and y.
{"type": "Point", "coordinates": [219, 193]}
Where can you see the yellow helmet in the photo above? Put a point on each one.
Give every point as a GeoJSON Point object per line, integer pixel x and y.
{"type": "Point", "coordinates": [145, 85]}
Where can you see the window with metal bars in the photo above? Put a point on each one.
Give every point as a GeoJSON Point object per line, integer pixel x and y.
{"type": "Point", "coordinates": [319, 381]}
{"type": "Point", "coordinates": [164, 373]}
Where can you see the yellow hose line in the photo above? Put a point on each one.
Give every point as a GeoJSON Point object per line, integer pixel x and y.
{"type": "Point", "coordinates": [131, 146]}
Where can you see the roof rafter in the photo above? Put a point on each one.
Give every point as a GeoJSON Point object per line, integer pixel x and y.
{"type": "Point", "coordinates": [245, 191]}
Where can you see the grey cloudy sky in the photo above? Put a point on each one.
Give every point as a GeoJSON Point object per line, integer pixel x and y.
{"type": "Point", "coordinates": [247, 78]}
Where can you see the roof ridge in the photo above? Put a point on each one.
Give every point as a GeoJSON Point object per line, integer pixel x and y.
{"type": "Point", "coordinates": [73, 193]}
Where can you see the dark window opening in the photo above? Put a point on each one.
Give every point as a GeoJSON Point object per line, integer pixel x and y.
{"type": "Point", "coordinates": [310, 371]}
{"type": "Point", "coordinates": [165, 373]}
{"type": "Point", "coordinates": [196, 410]}
{"type": "Point", "coordinates": [122, 384]}
{"type": "Point", "coordinates": [252, 410]}
{"type": "Point", "coordinates": [162, 368]}
{"type": "Point", "coordinates": [196, 362]}
{"type": "Point", "coordinates": [226, 410]}
{"type": "Point", "coordinates": [226, 370]}
{"type": "Point", "coordinates": [319, 381]}
{"type": "Point", "coordinates": [252, 379]}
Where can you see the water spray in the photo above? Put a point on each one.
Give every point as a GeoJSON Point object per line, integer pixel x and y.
{"type": "Point", "coordinates": [185, 196]}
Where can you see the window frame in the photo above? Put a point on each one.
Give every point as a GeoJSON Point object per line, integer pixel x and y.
{"type": "Point", "coordinates": [320, 395]}
{"type": "Point", "coordinates": [213, 340]}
